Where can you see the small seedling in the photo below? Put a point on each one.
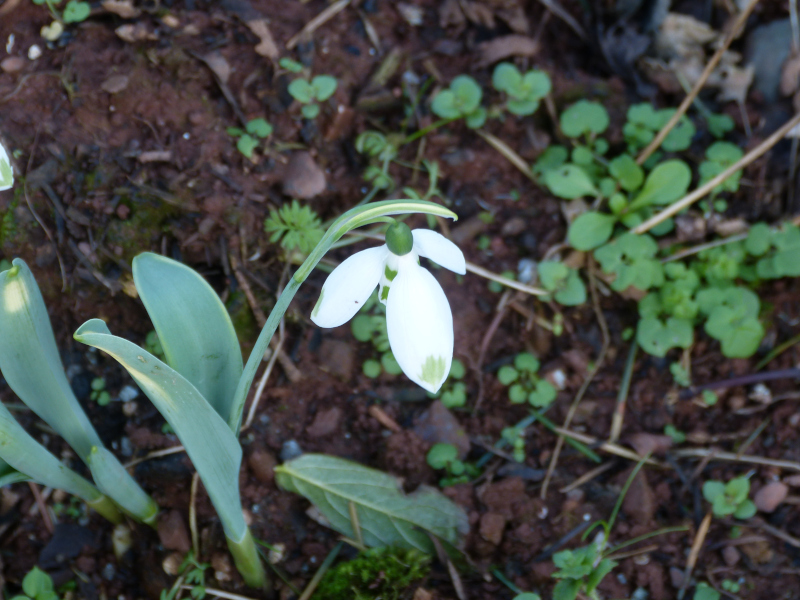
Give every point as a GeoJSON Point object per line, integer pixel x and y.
{"type": "Point", "coordinates": [37, 585]}
{"type": "Point", "coordinates": [193, 572]}
{"type": "Point", "coordinates": [524, 382]}
{"type": "Point", "coordinates": [527, 596]}
{"type": "Point", "coordinates": [730, 498]}
{"type": "Point", "coordinates": [720, 156]}
{"type": "Point", "coordinates": [296, 227]}
{"type": "Point", "coordinates": [678, 437]}
{"type": "Point", "coordinates": [515, 436]}
{"type": "Point", "coordinates": [454, 391]}
{"type": "Point", "coordinates": [75, 11]}
{"type": "Point", "coordinates": [445, 456]}
{"type": "Point", "coordinates": [524, 91]}
{"type": "Point", "coordinates": [370, 326]}
{"type": "Point", "coordinates": [75, 509]}
{"type": "Point", "coordinates": [381, 150]}
{"type": "Point", "coordinates": [703, 591]}
{"type": "Point", "coordinates": [99, 393]}
{"type": "Point", "coordinates": [462, 100]}
{"type": "Point", "coordinates": [730, 586]}
{"type": "Point", "coordinates": [580, 570]}
{"type": "Point", "coordinates": [631, 259]}
{"type": "Point", "coordinates": [709, 397]}
{"type": "Point", "coordinates": [679, 374]}
{"type": "Point", "coordinates": [564, 281]}
{"type": "Point", "coordinates": [248, 140]}
{"type": "Point", "coordinates": [153, 345]}
{"type": "Point", "coordinates": [310, 93]}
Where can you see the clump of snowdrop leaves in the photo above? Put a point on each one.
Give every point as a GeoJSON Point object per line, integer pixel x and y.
{"type": "Point", "coordinates": [418, 317]}
{"type": "Point", "coordinates": [6, 172]}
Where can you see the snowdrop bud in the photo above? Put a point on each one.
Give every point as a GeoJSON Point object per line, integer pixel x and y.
{"type": "Point", "coordinates": [399, 239]}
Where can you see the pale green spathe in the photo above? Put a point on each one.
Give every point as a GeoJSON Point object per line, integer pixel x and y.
{"type": "Point", "coordinates": [193, 326]}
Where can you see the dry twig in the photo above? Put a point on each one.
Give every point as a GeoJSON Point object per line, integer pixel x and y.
{"type": "Point", "coordinates": [705, 189]}
{"type": "Point", "coordinates": [687, 102]}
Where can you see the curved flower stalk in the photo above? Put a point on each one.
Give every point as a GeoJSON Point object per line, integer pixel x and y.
{"type": "Point", "coordinates": [361, 216]}
{"type": "Point", "coordinates": [418, 317]}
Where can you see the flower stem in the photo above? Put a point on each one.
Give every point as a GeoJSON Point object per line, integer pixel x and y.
{"type": "Point", "coordinates": [248, 563]}
{"type": "Point", "coordinates": [260, 348]}
{"type": "Point", "coordinates": [104, 507]}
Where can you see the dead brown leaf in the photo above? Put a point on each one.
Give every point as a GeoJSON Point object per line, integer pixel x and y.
{"type": "Point", "coordinates": [121, 8]}
{"type": "Point", "coordinates": [505, 47]}
{"type": "Point", "coordinates": [790, 75]}
{"type": "Point", "coordinates": [267, 46]}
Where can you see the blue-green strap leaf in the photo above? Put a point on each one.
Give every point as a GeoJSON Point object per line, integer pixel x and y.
{"type": "Point", "coordinates": [30, 460]}
{"type": "Point", "coordinates": [193, 326]}
{"type": "Point", "coordinates": [30, 361]}
{"type": "Point", "coordinates": [208, 440]}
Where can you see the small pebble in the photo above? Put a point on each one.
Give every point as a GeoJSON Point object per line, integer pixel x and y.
{"type": "Point", "coordinates": [109, 571]}
{"type": "Point", "coordinates": [770, 496]}
{"type": "Point", "coordinates": [290, 449]}
{"type": "Point", "coordinates": [731, 556]}
{"type": "Point", "coordinates": [125, 446]}
{"type": "Point", "coordinates": [128, 393]}
{"type": "Point", "coordinates": [640, 594]}
{"type": "Point", "coordinates": [34, 52]}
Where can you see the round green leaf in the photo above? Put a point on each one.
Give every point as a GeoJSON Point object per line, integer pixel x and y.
{"type": "Point", "coordinates": [324, 87]}
{"type": "Point", "coordinates": [310, 111]}
{"type": "Point", "coordinates": [627, 172]}
{"type": "Point", "coordinates": [507, 375]}
{"type": "Point", "coordinates": [517, 394]}
{"type": "Point", "coordinates": [525, 361]}
{"type": "Point", "coordinates": [259, 127]}
{"type": "Point", "coordinates": [506, 77]}
{"type": "Point", "coordinates": [444, 105]}
{"type": "Point", "coordinates": [457, 369]}
{"type": "Point", "coordinates": [390, 364]}
{"type": "Point", "coordinates": [440, 455]}
{"type": "Point", "coordinates": [371, 368]}
{"type": "Point", "coordinates": [590, 230]}
{"type": "Point", "coordinates": [584, 117]}
{"type": "Point", "coordinates": [301, 90]}
{"type": "Point", "coordinates": [76, 11]}
{"type": "Point", "coordinates": [569, 182]}
{"type": "Point", "coordinates": [246, 144]}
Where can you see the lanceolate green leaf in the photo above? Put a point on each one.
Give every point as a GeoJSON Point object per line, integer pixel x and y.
{"type": "Point", "coordinates": [193, 327]}
{"type": "Point", "coordinates": [111, 476]}
{"type": "Point", "coordinates": [208, 440]}
{"type": "Point", "coordinates": [32, 367]}
{"type": "Point", "coordinates": [30, 361]}
{"type": "Point", "coordinates": [387, 516]}
{"type": "Point", "coordinates": [24, 458]}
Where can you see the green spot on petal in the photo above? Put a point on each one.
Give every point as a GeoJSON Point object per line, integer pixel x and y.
{"type": "Point", "coordinates": [433, 370]}
{"type": "Point", "coordinates": [384, 293]}
{"type": "Point", "coordinates": [390, 275]}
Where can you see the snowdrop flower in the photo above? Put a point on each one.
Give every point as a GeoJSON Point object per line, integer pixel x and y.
{"type": "Point", "coordinates": [418, 317]}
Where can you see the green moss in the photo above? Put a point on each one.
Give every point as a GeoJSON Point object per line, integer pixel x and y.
{"type": "Point", "coordinates": [379, 573]}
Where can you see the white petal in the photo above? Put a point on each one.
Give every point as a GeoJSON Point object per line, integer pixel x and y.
{"type": "Point", "coordinates": [6, 164]}
{"type": "Point", "coordinates": [420, 326]}
{"type": "Point", "coordinates": [348, 287]}
{"type": "Point", "coordinates": [439, 249]}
